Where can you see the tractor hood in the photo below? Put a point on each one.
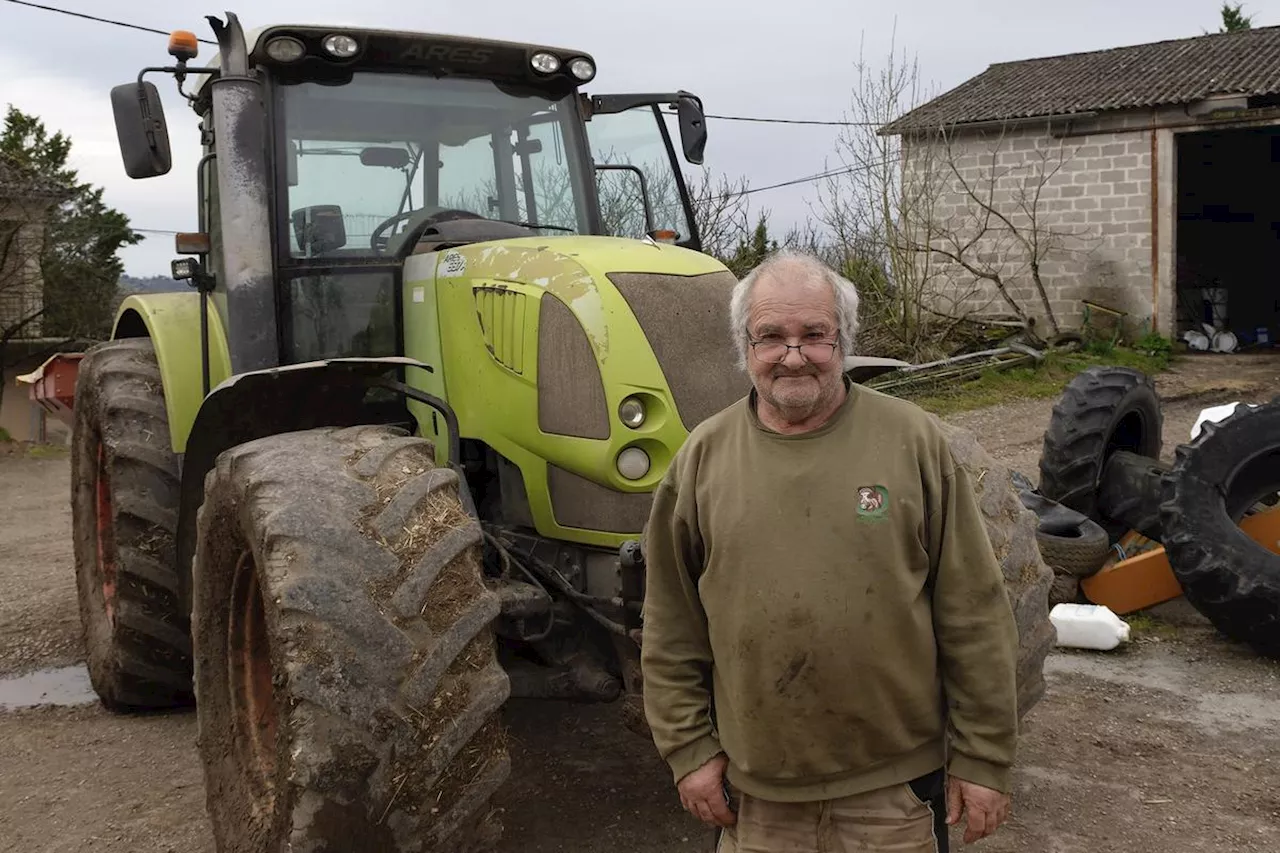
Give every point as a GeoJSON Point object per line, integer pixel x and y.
{"type": "Point", "coordinates": [579, 270]}
{"type": "Point", "coordinates": [542, 339]}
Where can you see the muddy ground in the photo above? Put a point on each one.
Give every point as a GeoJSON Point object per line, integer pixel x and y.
{"type": "Point", "coordinates": [1170, 744]}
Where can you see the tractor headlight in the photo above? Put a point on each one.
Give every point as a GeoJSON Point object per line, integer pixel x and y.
{"type": "Point", "coordinates": [340, 46]}
{"type": "Point", "coordinates": [546, 63]}
{"type": "Point", "coordinates": [582, 69]}
{"type": "Point", "coordinates": [631, 412]}
{"type": "Point", "coordinates": [633, 463]}
{"type": "Point", "coordinates": [285, 49]}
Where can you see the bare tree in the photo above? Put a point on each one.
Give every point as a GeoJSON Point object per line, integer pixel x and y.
{"type": "Point", "coordinates": [997, 230]}
{"type": "Point", "coordinates": [946, 225]}
{"type": "Point", "coordinates": [876, 210]}
{"type": "Point", "coordinates": [722, 210]}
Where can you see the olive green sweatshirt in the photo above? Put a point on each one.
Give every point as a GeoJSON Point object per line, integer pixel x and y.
{"type": "Point", "coordinates": [818, 605]}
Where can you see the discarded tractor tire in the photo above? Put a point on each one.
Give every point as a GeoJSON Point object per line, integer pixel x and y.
{"type": "Point", "coordinates": [1102, 410]}
{"type": "Point", "coordinates": [1078, 555]}
{"type": "Point", "coordinates": [124, 498]}
{"type": "Point", "coordinates": [1129, 495]}
{"type": "Point", "coordinates": [1230, 578]}
{"type": "Point", "coordinates": [348, 691]}
{"type": "Point", "coordinates": [1011, 528]}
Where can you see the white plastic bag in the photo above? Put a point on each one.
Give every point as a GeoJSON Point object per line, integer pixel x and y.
{"type": "Point", "coordinates": [1215, 414]}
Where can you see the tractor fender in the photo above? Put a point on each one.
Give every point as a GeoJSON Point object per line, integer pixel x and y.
{"type": "Point", "coordinates": [291, 398]}
{"type": "Point", "coordinates": [172, 322]}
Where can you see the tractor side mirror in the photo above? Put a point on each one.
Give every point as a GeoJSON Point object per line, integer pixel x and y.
{"type": "Point", "coordinates": [529, 146]}
{"type": "Point", "coordinates": [693, 127]}
{"type": "Point", "coordinates": [319, 229]}
{"type": "Point", "coordinates": [141, 130]}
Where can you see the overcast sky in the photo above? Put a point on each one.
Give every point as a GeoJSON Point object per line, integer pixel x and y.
{"type": "Point", "coordinates": [790, 59]}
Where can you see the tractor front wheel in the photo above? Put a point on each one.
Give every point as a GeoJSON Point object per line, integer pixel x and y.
{"type": "Point", "coordinates": [349, 692]}
{"type": "Point", "coordinates": [124, 499]}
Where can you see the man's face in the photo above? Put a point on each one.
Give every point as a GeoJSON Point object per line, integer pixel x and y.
{"type": "Point", "coordinates": [794, 312]}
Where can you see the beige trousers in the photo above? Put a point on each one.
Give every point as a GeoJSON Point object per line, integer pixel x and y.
{"type": "Point", "coordinates": [906, 818]}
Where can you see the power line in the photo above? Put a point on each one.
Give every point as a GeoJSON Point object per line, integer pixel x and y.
{"type": "Point", "coordinates": [833, 173]}
{"type": "Point", "coordinates": [796, 121]}
{"type": "Point", "coordinates": [753, 119]}
{"type": "Point", "coordinates": [98, 20]}
{"type": "Point", "coordinates": [802, 121]}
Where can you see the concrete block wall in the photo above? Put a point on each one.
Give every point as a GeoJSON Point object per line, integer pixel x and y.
{"type": "Point", "coordinates": [1097, 198]}
{"type": "Point", "coordinates": [21, 282]}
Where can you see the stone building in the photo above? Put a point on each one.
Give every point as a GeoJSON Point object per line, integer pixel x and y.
{"type": "Point", "coordinates": [1151, 171]}
{"type": "Point", "coordinates": [25, 202]}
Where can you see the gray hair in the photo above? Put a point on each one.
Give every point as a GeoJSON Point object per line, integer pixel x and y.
{"type": "Point", "coordinates": [813, 267]}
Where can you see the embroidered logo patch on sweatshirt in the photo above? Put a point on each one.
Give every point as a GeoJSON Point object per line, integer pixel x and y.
{"type": "Point", "coordinates": [873, 502]}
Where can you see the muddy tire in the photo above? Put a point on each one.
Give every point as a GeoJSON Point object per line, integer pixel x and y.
{"type": "Point", "coordinates": [1130, 493]}
{"type": "Point", "coordinates": [1102, 410]}
{"type": "Point", "coordinates": [1231, 579]}
{"type": "Point", "coordinates": [124, 502]}
{"type": "Point", "coordinates": [1078, 555]}
{"type": "Point", "coordinates": [349, 693]}
{"type": "Point", "coordinates": [1011, 528]}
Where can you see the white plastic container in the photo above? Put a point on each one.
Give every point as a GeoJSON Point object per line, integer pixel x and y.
{"type": "Point", "coordinates": [1088, 626]}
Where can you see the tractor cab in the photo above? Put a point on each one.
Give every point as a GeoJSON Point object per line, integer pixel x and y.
{"type": "Point", "coordinates": [332, 154]}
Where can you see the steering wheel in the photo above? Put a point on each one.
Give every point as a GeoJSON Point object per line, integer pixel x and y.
{"type": "Point", "coordinates": [424, 215]}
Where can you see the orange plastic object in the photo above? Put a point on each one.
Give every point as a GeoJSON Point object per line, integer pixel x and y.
{"type": "Point", "coordinates": [1144, 580]}
{"type": "Point", "coordinates": [1134, 583]}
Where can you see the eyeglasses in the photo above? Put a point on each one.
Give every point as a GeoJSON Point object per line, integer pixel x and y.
{"type": "Point", "coordinates": [771, 352]}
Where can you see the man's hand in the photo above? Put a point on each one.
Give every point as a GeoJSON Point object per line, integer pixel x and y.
{"type": "Point", "coordinates": [702, 793]}
{"type": "Point", "coordinates": [987, 809]}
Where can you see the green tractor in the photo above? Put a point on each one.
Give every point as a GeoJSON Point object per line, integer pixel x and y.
{"type": "Point", "coordinates": [387, 463]}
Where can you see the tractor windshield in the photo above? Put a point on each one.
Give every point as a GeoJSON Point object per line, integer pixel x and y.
{"type": "Point", "coordinates": [370, 159]}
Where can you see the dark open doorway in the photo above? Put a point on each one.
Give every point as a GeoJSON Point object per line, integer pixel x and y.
{"type": "Point", "coordinates": [1228, 233]}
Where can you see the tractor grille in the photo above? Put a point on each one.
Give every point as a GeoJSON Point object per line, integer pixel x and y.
{"type": "Point", "coordinates": [501, 313]}
{"type": "Point", "coordinates": [579, 502]}
{"type": "Point", "coordinates": [686, 319]}
{"type": "Point", "coordinates": [571, 397]}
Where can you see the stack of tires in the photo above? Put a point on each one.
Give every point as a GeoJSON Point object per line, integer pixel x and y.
{"type": "Point", "coordinates": [1073, 545]}
{"type": "Point", "coordinates": [1101, 477]}
{"type": "Point", "coordinates": [1099, 473]}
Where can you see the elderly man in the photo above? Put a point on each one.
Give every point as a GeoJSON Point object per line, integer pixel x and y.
{"type": "Point", "coordinates": [828, 650]}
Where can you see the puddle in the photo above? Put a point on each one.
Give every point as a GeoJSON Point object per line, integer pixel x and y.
{"type": "Point", "coordinates": [68, 685]}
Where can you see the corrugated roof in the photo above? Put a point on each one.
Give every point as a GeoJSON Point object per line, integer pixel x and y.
{"type": "Point", "coordinates": [16, 180]}
{"type": "Point", "coordinates": [1146, 75]}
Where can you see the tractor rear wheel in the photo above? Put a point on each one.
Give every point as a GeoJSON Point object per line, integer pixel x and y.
{"type": "Point", "coordinates": [349, 692]}
{"type": "Point", "coordinates": [1011, 529]}
{"type": "Point", "coordinates": [124, 499]}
